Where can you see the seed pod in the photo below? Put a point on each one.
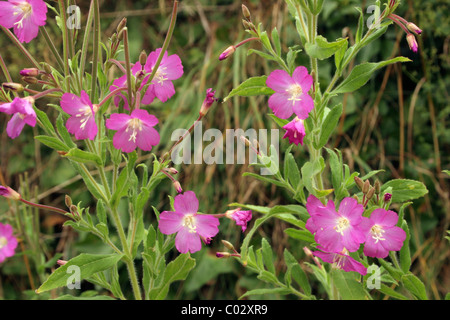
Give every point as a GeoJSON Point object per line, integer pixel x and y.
{"type": "Point", "coordinates": [246, 13]}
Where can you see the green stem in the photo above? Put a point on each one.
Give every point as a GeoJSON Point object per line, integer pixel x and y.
{"type": "Point", "coordinates": [52, 47]}
{"type": "Point", "coordinates": [96, 46]}
{"type": "Point", "coordinates": [21, 48]}
{"type": "Point", "coordinates": [84, 48]}
{"type": "Point", "coordinates": [128, 67]}
{"type": "Point", "coordinates": [62, 9]}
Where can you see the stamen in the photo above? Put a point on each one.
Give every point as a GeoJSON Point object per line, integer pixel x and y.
{"type": "Point", "coordinates": [342, 224]}
{"type": "Point", "coordinates": [135, 125]}
{"type": "Point", "coordinates": [3, 242]}
{"type": "Point", "coordinates": [189, 222]}
{"type": "Point", "coordinates": [377, 233]}
{"type": "Point", "coordinates": [296, 91]}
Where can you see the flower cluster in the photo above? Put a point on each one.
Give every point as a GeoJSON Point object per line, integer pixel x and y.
{"type": "Point", "coordinates": [291, 97]}
{"type": "Point", "coordinates": [341, 231]}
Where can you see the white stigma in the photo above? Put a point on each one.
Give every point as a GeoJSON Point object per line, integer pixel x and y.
{"type": "Point", "coordinates": [3, 242]}
{"type": "Point", "coordinates": [342, 225]}
{"type": "Point", "coordinates": [86, 113]}
{"type": "Point", "coordinates": [26, 11]}
{"type": "Point", "coordinates": [135, 125]}
{"type": "Point", "coordinates": [377, 233]}
{"type": "Point", "coordinates": [160, 75]}
{"type": "Point", "coordinates": [189, 222]}
{"type": "Point", "coordinates": [295, 91]}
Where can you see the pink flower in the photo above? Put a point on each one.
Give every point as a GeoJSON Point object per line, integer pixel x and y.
{"type": "Point", "coordinates": [382, 234]}
{"type": "Point", "coordinates": [169, 69]}
{"type": "Point", "coordinates": [9, 193]}
{"type": "Point", "coordinates": [412, 42]}
{"type": "Point", "coordinates": [291, 93]}
{"type": "Point", "coordinates": [25, 16]}
{"type": "Point", "coordinates": [341, 260]}
{"type": "Point", "coordinates": [135, 130]}
{"type": "Point", "coordinates": [242, 217]}
{"type": "Point", "coordinates": [82, 121]}
{"type": "Point", "coordinates": [208, 102]}
{"type": "Point", "coordinates": [295, 131]}
{"type": "Point", "coordinates": [336, 230]}
{"type": "Point", "coordinates": [190, 226]}
{"type": "Point", "coordinates": [8, 243]}
{"type": "Point", "coordinates": [312, 205]}
{"type": "Point", "coordinates": [23, 113]}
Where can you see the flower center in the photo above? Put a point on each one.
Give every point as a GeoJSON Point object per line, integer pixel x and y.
{"type": "Point", "coordinates": [160, 75]}
{"type": "Point", "coordinates": [86, 113]}
{"type": "Point", "coordinates": [3, 242]}
{"type": "Point", "coordinates": [26, 11]}
{"type": "Point", "coordinates": [377, 233]}
{"type": "Point", "coordinates": [342, 225]}
{"type": "Point", "coordinates": [296, 92]}
{"type": "Point", "coordinates": [339, 259]}
{"type": "Point", "coordinates": [135, 125]}
{"type": "Point", "coordinates": [189, 222]}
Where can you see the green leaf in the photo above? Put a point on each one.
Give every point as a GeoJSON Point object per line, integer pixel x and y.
{"type": "Point", "coordinates": [391, 292]}
{"type": "Point", "coordinates": [89, 264]}
{"type": "Point", "coordinates": [293, 173]}
{"type": "Point", "coordinates": [43, 118]}
{"type": "Point", "coordinates": [264, 178]}
{"type": "Point", "coordinates": [347, 285]}
{"type": "Point", "coordinates": [405, 254]}
{"type": "Point", "coordinates": [176, 270]}
{"type": "Point", "coordinates": [329, 125]}
{"type": "Point", "coordinates": [64, 134]}
{"type": "Point", "coordinates": [267, 255]}
{"type": "Point", "coordinates": [278, 121]}
{"type": "Point", "coordinates": [415, 286]}
{"type": "Point", "coordinates": [124, 181]}
{"type": "Point", "coordinates": [362, 73]}
{"type": "Point", "coordinates": [300, 235]}
{"type": "Point", "coordinates": [281, 291]}
{"type": "Point", "coordinates": [81, 156]}
{"type": "Point", "coordinates": [297, 272]}
{"type": "Point", "coordinates": [261, 54]}
{"type": "Point", "coordinates": [251, 87]}
{"type": "Point", "coordinates": [53, 143]}
{"type": "Point", "coordinates": [70, 297]}
{"type": "Point", "coordinates": [404, 190]}
{"type": "Point", "coordinates": [276, 41]}
{"type": "Point", "coordinates": [322, 49]}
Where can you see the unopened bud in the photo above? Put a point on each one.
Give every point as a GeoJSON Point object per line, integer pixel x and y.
{"type": "Point", "coordinates": [370, 193]}
{"type": "Point", "coordinates": [61, 262]}
{"type": "Point", "coordinates": [68, 201]}
{"type": "Point", "coordinates": [29, 72]}
{"type": "Point", "coordinates": [228, 52]}
{"type": "Point", "coordinates": [47, 68]}
{"type": "Point", "coordinates": [177, 186]}
{"type": "Point", "coordinates": [62, 153]}
{"type": "Point", "coordinates": [30, 80]}
{"type": "Point", "coordinates": [74, 210]}
{"type": "Point", "coordinates": [120, 35]}
{"type": "Point", "coordinates": [412, 27]}
{"type": "Point", "coordinates": [16, 87]}
{"type": "Point", "coordinates": [228, 245]}
{"type": "Point", "coordinates": [171, 170]}
{"type": "Point", "coordinates": [143, 58]}
{"type": "Point", "coordinates": [223, 254]}
{"type": "Point", "coordinates": [114, 38]}
{"type": "Point", "coordinates": [121, 25]}
{"type": "Point", "coordinates": [387, 197]}
{"type": "Point", "coordinates": [377, 186]}
{"type": "Point", "coordinates": [9, 193]}
{"type": "Point", "coordinates": [366, 187]}
{"type": "Point", "coordinates": [246, 12]}
{"type": "Point", "coordinates": [359, 182]}
{"type": "Point", "coordinates": [207, 103]}
{"type": "Point", "coordinates": [308, 252]}
{"type": "Point", "coordinates": [412, 42]}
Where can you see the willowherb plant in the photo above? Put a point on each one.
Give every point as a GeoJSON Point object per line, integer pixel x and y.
{"type": "Point", "coordinates": [348, 224]}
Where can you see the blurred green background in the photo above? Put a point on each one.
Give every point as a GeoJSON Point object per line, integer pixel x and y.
{"type": "Point", "coordinates": [398, 122]}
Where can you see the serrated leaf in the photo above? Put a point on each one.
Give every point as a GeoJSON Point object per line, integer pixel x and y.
{"type": "Point", "coordinates": [415, 286]}
{"type": "Point", "coordinates": [404, 190]}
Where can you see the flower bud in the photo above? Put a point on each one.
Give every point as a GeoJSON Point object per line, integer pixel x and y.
{"type": "Point", "coordinates": [228, 52]}
{"type": "Point", "coordinates": [171, 170]}
{"type": "Point", "coordinates": [61, 262]}
{"type": "Point", "coordinates": [412, 42]}
{"type": "Point", "coordinates": [30, 72]}
{"type": "Point", "coordinates": [207, 103]}
{"type": "Point", "coordinates": [16, 87]}
{"type": "Point", "coordinates": [246, 13]}
{"type": "Point", "coordinates": [228, 245]}
{"type": "Point", "coordinates": [366, 187]}
{"type": "Point", "coordinates": [359, 182]}
{"type": "Point", "coordinates": [177, 186]}
{"type": "Point", "coordinates": [143, 58]}
{"type": "Point", "coordinates": [412, 27]}
{"type": "Point", "coordinates": [30, 80]}
{"type": "Point", "coordinates": [68, 201]}
{"type": "Point", "coordinates": [9, 193]}
{"type": "Point", "coordinates": [387, 197]}
{"type": "Point", "coordinates": [377, 187]}
{"type": "Point", "coordinates": [121, 25]}
{"type": "Point", "coordinates": [222, 255]}
{"type": "Point", "coordinates": [370, 193]}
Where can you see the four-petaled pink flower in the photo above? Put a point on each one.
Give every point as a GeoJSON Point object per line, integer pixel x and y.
{"type": "Point", "coordinates": [295, 131]}
{"type": "Point", "coordinates": [23, 113]}
{"type": "Point", "coordinates": [169, 69]}
{"type": "Point", "coordinates": [82, 121]}
{"type": "Point", "coordinates": [190, 226]}
{"type": "Point", "coordinates": [25, 16]}
{"type": "Point", "coordinates": [8, 243]}
{"type": "Point", "coordinates": [382, 234]}
{"type": "Point", "coordinates": [291, 93]}
{"type": "Point", "coordinates": [135, 130]}
{"type": "Point", "coordinates": [336, 230]}
{"type": "Point", "coordinates": [122, 82]}
{"type": "Point", "coordinates": [242, 217]}
{"type": "Point", "coordinates": [341, 260]}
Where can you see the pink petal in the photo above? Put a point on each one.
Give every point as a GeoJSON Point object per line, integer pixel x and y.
{"type": "Point", "coordinates": [8, 14]}
{"type": "Point", "coordinates": [280, 81]}
{"type": "Point", "coordinates": [15, 126]}
{"type": "Point", "coordinates": [170, 222]}
{"type": "Point", "coordinates": [302, 78]}
{"type": "Point", "coordinates": [147, 138]}
{"type": "Point", "coordinates": [118, 121]}
{"type": "Point", "coordinates": [173, 67]}
{"type": "Point", "coordinates": [207, 226]}
{"type": "Point", "coordinates": [71, 104]}
{"type": "Point", "coordinates": [147, 118]}
{"type": "Point", "coordinates": [350, 209]}
{"type": "Point", "coordinates": [281, 105]}
{"type": "Point", "coordinates": [186, 203]}
{"type": "Point", "coordinates": [163, 91]}
{"type": "Point", "coordinates": [122, 141]}
{"type": "Point", "coordinates": [385, 218]}
{"type": "Point", "coordinates": [303, 107]}
{"type": "Point", "coordinates": [395, 237]}
{"type": "Point", "coordinates": [186, 241]}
